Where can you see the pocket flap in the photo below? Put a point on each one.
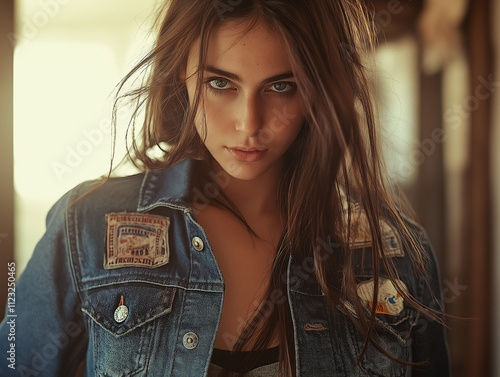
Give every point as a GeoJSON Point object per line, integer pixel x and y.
{"type": "Point", "coordinates": [141, 303]}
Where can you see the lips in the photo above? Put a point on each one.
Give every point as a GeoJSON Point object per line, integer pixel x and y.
{"type": "Point", "coordinates": [247, 154]}
{"type": "Point", "coordinates": [249, 149]}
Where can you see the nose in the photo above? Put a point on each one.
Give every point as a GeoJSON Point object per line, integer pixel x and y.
{"type": "Point", "coordinates": [249, 115]}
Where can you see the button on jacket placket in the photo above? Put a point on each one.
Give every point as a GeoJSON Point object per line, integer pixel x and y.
{"type": "Point", "coordinates": [201, 306]}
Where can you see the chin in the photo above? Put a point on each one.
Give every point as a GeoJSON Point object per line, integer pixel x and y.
{"type": "Point", "coordinates": [243, 171]}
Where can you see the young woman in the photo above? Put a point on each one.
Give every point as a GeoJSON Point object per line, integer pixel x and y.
{"type": "Point", "coordinates": [262, 241]}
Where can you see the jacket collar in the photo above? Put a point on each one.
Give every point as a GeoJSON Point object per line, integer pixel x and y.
{"type": "Point", "coordinates": [171, 186]}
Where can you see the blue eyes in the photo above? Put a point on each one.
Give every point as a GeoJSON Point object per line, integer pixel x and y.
{"type": "Point", "coordinates": [218, 85]}
{"type": "Point", "coordinates": [280, 87]}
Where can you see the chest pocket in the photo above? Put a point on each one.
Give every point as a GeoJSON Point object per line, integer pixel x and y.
{"type": "Point", "coordinates": [123, 320]}
{"type": "Point", "coordinates": [394, 320]}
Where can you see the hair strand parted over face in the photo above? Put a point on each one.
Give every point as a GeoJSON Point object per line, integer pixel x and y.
{"type": "Point", "coordinates": [336, 151]}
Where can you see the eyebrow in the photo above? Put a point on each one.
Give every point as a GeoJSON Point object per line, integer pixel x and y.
{"type": "Point", "coordinates": [237, 78]}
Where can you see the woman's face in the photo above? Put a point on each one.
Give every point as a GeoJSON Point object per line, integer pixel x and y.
{"type": "Point", "coordinates": [252, 109]}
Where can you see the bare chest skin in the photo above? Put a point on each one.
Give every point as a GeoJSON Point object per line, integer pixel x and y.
{"type": "Point", "coordinates": [245, 263]}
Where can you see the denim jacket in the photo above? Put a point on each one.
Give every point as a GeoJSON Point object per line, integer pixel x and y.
{"type": "Point", "coordinates": [78, 302]}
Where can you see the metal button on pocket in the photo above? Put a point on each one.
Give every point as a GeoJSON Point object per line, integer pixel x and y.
{"type": "Point", "coordinates": [197, 243]}
{"type": "Point", "coordinates": [190, 340]}
{"type": "Point", "coordinates": [121, 312]}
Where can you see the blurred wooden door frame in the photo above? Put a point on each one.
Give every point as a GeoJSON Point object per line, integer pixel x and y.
{"type": "Point", "coordinates": [472, 338]}
{"type": "Point", "coordinates": [478, 202]}
{"type": "Point", "coordinates": [6, 146]}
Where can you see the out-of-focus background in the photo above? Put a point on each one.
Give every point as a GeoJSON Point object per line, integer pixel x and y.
{"type": "Point", "coordinates": [436, 85]}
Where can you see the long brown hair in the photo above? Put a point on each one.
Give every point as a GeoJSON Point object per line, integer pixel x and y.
{"type": "Point", "coordinates": [335, 153]}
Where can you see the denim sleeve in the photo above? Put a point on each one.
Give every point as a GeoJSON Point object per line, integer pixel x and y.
{"type": "Point", "coordinates": [47, 334]}
{"type": "Point", "coordinates": [428, 336]}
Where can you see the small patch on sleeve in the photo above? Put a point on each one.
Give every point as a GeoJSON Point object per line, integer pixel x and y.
{"type": "Point", "coordinates": [136, 240]}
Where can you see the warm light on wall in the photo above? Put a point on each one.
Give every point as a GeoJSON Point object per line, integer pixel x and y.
{"type": "Point", "coordinates": [60, 137]}
{"type": "Point", "coordinates": [67, 63]}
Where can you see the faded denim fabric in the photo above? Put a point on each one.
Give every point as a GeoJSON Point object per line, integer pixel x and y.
{"type": "Point", "coordinates": [66, 300]}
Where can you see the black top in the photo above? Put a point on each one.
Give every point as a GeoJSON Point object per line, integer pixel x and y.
{"type": "Point", "coordinates": [232, 360]}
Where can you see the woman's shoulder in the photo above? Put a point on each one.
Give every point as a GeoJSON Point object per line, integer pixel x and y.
{"type": "Point", "coordinates": [131, 192]}
{"type": "Point", "coordinates": [397, 228]}
{"type": "Point", "coordinates": [406, 245]}
{"type": "Point", "coordinates": [106, 191]}
{"type": "Point", "coordinates": [95, 195]}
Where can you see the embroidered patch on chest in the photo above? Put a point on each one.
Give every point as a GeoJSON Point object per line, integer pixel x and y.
{"type": "Point", "coordinates": [361, 235]}
{"type": "Point", "coordinates": [136, 240]}
{"type": "Point", "coordinates": [389, 301]}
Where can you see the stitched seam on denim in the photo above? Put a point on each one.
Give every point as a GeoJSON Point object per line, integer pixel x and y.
{"type": "Point", "coordinates": [295, 337]}
{"type": "Point", "coordinates": [96, 343]}
{"type": "Point", "coordinates": [97, 319]}
{"type": "Point", "coordinates": [389, 326]}
{"type": "Point", "coordinates": [165, 292]}
{"type": "Point", "coordinates": [354, 334]}
{"type": "Point", "coordinates": [383, 323]}
{"type": "Point", "coordinates": [69, 253]}
{"type": "Point", "coordinates": [373, 368]}
{"type": "Point", "coordinates": [164, 204]}
{"type": "Point", "coordinates": [183, 309]}
{"type": "Point", "coordinates": [178, 334]}
{"type": "Point", "coordinates": [115, 283]}
{"type": "Point", "coordinates": [149, 354]}
{"type": "Point", "coordinates": [151, 278]}
{"type": "Point", "coordinates": [352, 331]}
{"type": "Point", "coordinates": [209, 247]}
{"type": "Point", "coordinates": [329, 326]}
{"type": "Point", "coordinates": [333, 326]}
{"type": "Point", "coordinates": [171, 296]}
{"type": "Point", "coordinates": [135, 275]}
{"type": "Point", "coordinates": [170, 285]}
{"type": "Point", "coordinates": [182, 313]}
{"type": "Point", "coordinates": [142, 188]}
{"type": "Point", "coordinates": [72, 234]}
{"type": "Point", "coordinates": [141, 350]}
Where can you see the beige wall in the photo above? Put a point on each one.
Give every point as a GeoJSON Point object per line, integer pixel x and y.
{"type": "Point", "coordinates": [70, 54]}
{"type": "Point", "coordinates": [6, 169]}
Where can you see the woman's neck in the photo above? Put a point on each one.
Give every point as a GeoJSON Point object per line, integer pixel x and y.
{"type": "Point", "coordinates": [254, 198]}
